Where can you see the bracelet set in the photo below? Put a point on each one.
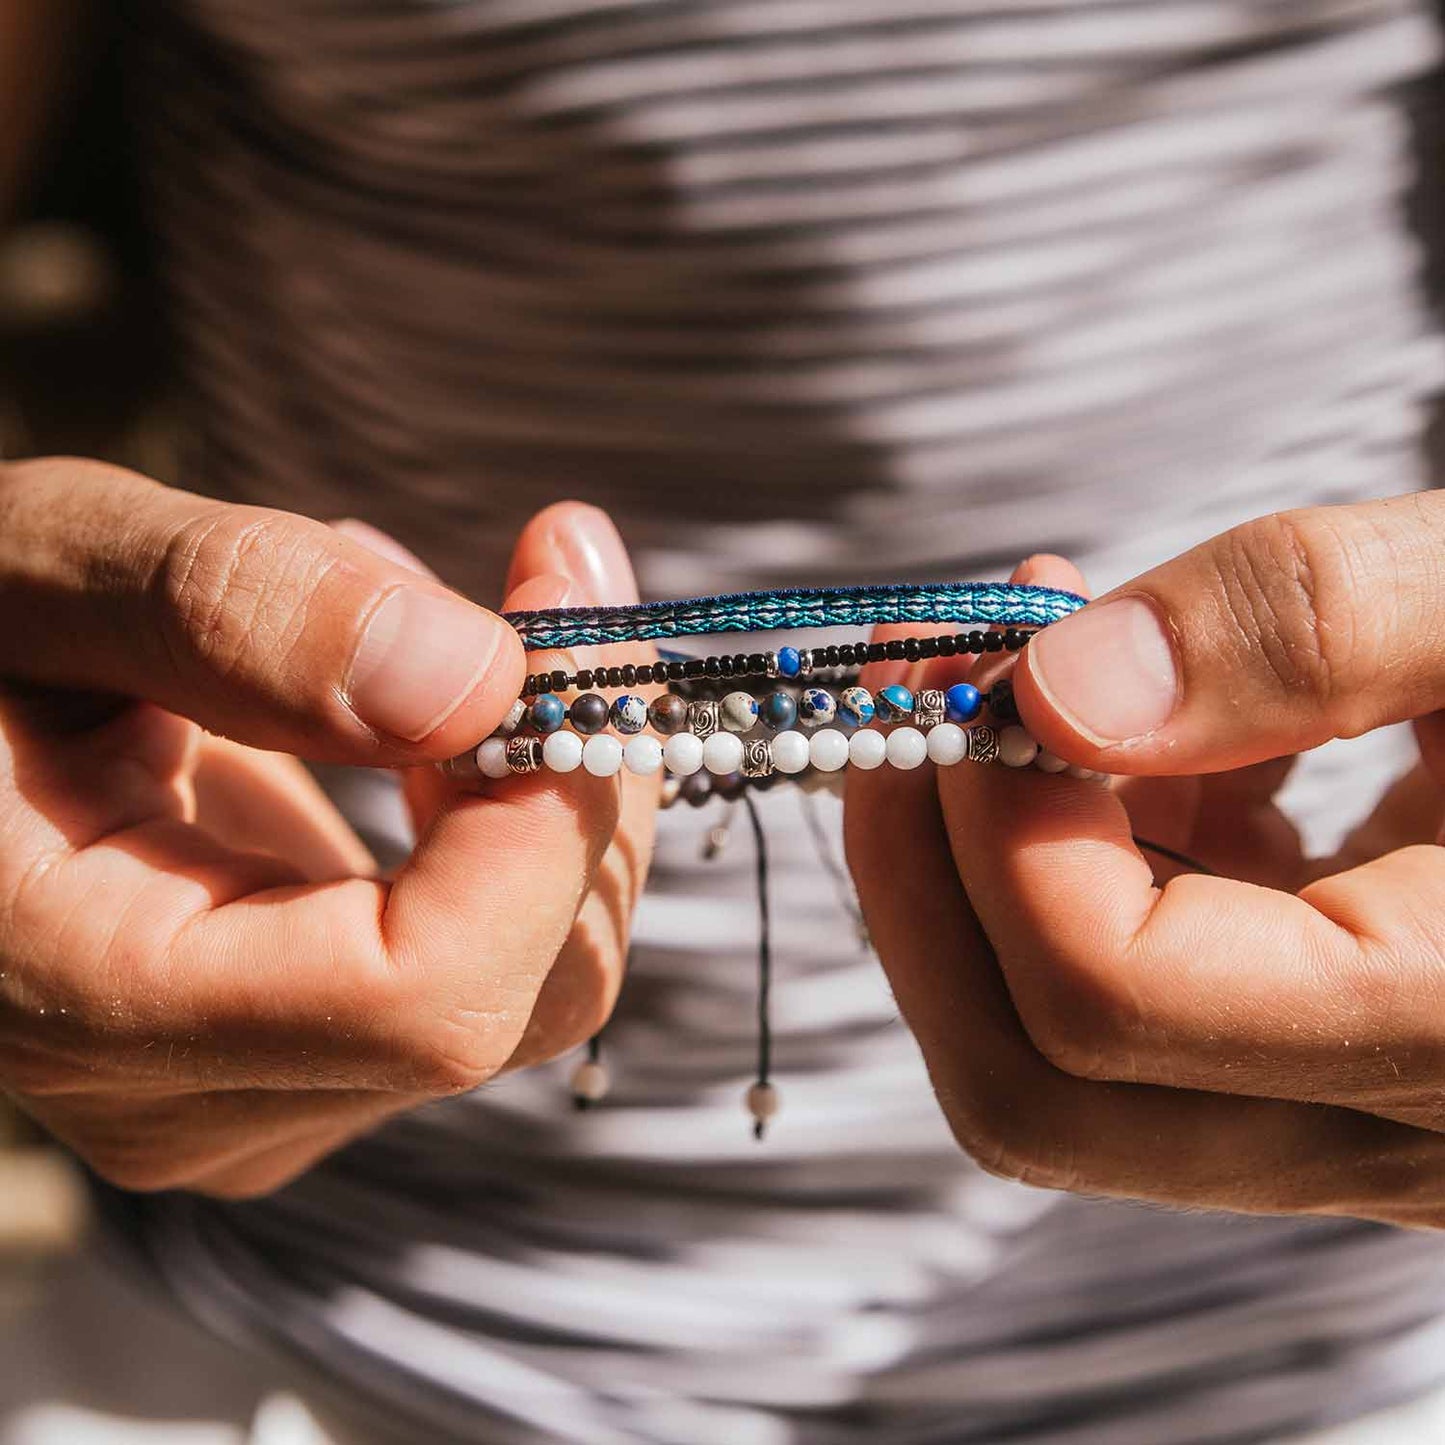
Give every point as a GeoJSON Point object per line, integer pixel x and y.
{"type": "Point", "coordinates": [735, 723]}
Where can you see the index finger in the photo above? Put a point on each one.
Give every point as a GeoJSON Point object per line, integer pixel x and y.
{"type": "Point", "coordinates": [1208, 983]}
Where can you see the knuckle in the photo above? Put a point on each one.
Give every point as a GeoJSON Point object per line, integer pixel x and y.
{"type": "Point", "coordinates": [1289, 583]}
{"type": "Point", "coordinates": [1084, 1018]}
{"type": "Point", "coordinates": [1001, 1134]}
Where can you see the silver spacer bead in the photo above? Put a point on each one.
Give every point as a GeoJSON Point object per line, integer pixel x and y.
{"type": "Point", "coordinates": [770, 664]}
{"type": "Point", "coordinates": [805, 661]}
{"type": "Point", "coordinates": [524, 755]}
{"type": "Point", "coordinates": [928, 706]}
{"type": "Point", "coordinates": [702, 718]}
{"type": "Point", "coordinates": [758, 758]}
{"type": "Point", "coordinates": [982, 744]}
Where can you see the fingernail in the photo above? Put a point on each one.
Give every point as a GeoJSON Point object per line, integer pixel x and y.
{"type": "Point", "coordinates": [419, 659]}
{"type": "Point", "coordinates": [384, 545]}
{"type": "Point", "coordinates": [547, 589]}
{"type": "Point", "coordinates": [589, 550]}
{"type": "Point", "coordinates": [1109, 670]}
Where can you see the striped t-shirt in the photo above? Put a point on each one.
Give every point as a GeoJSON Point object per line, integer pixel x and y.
{"type": "Point", "coordinates": [800, 290]}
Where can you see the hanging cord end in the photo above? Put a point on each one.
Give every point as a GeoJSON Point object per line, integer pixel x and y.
{"type": "Point", "coordinates": [590, 1079]}
{"type": "Point", "coordinates": [763, 1104]}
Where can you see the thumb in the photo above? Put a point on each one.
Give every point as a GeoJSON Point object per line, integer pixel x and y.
{"type": "Point", "coordinates": [1266, 640]}
{"type": "Point", "coordinates": [260, 625]}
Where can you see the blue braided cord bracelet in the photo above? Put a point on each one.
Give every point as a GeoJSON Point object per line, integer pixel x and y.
{"type": "Point", "coordinates": [1008, 604]}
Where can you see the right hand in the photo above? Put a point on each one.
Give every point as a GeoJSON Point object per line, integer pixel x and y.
{"type": "Point", "coordinates": [203, 983]}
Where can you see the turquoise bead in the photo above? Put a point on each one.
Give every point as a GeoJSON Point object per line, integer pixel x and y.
{"type": "Point", "coordinates": [547, 713]}
{"type": "Point", "coordinates": [894, 703]}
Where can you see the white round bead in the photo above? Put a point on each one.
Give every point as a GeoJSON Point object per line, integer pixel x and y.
{"type": "Point", "coordinates": [1016, 749]}
{"type": "Point", "coordinates": [828, 750]}
{"type": "Point", "coordinates": [867, 748]}
{"type": "Point", "coordinates": [1048, 762]}
{"type": "Point", "coordinates": [562, 752]}
{"type": "Point", "coordinates": [763, 1102]}
{"type": "Point", "coordinates": [492, 758]}
{"type": "Point", "coordinates": [590, 1081]}
{"type": "Point", "coordinates": [722, 753]}
{"type": "Point", "coordinates": [947, 744]}
{"type": "Point", "coordinates": [907, 748]}
{"type": "Point", "coordinates": [683, 754]}
{"type": "Point", "coordinates": [791, 752]}
{"type": "Point", "coordinates": [642, 755]}
{"type": "Point", "coordinates": [602, 755]}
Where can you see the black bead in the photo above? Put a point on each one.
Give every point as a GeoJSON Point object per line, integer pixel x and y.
{"type": "Point", "coordinates": [1001, 701]}
{"type": "Point", "coordinates": [713, 667]}
{"type": "Point", "coordinates": [830, 656]}
{"type": "Point", "coordinates": [910, 649]}
{"type": "Point", "coordinates": [583, 678]}
{"type": "Point", "coordinates": [589, 713]}
{"type": "Point", "coordinates": [694, 667]}
{"type": "Point", "coordinates": [659, 672]}
{"type": "Point", "coordinates": [560, 681]}
{"type": "Point", "coordinates": [895, 651]}
{"type": "Point", "coordinates": [975, 642]}
{"type": "Point", "coordinates": [629, 675]}
{"type": "Point", "coordinates": [757, 663]}
{"type": "Point", "coordinates": [740, 664]}
{"type": "Point", "coordinates": [947, 646]}
{"type": "Point", "coordinates": [928, 647]}
{"type": "Point", "coordinates": [993, 642]}
{"type": "Point", "coordinates": [877, 652]}
{"type": "Point", "coordinates": [675, 671]}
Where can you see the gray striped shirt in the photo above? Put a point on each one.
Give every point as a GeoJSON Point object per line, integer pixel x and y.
{"type": "Point", "coordinates": [800, 290]}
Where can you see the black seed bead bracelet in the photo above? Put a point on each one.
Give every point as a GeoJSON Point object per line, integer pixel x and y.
{"type": "Point", "coordinates": [767, 664]}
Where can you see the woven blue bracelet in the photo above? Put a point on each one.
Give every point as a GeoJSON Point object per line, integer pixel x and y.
{"type": "Point", "coordinates": [1005, 604]}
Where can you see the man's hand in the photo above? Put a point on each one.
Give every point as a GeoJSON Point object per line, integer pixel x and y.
{"type": "Point", "coordinates": [202, 981]}
{"type": "Point", "coordinates": [1271, 1041]}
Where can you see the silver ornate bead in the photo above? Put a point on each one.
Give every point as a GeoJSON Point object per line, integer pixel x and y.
{"type": "Point", "coordinates": [702, 718]}
{"type": "Point", "coordinates": [757, 758]}
{"type": "Point", "coordinates": [524, 755]}
{"type": "Point", "coordinates": [982, 744]}
{"type": "Point", "coordinates": [928, 707]}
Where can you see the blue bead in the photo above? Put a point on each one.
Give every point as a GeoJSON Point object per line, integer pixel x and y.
{"type": "Point", "coordinates": [778, 711]}
{"type": "Point", "coordinates": [548, 713]}
{"type": "Point", "coordinates": [855, 707]}
{"type": "Point", "coordinates": [629, 713]}
{"type": "Point", "coordinates": [789, 663]}
{"type": "Point", "coordinates": [962, 702]}
{"type": "Point", "coordinates": [893, 703]}
{"type": "Point", "coordinates": [817, 705]}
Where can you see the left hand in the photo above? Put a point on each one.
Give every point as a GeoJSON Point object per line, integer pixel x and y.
{"type": "Point", "coordinates": [1268, 1041]}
